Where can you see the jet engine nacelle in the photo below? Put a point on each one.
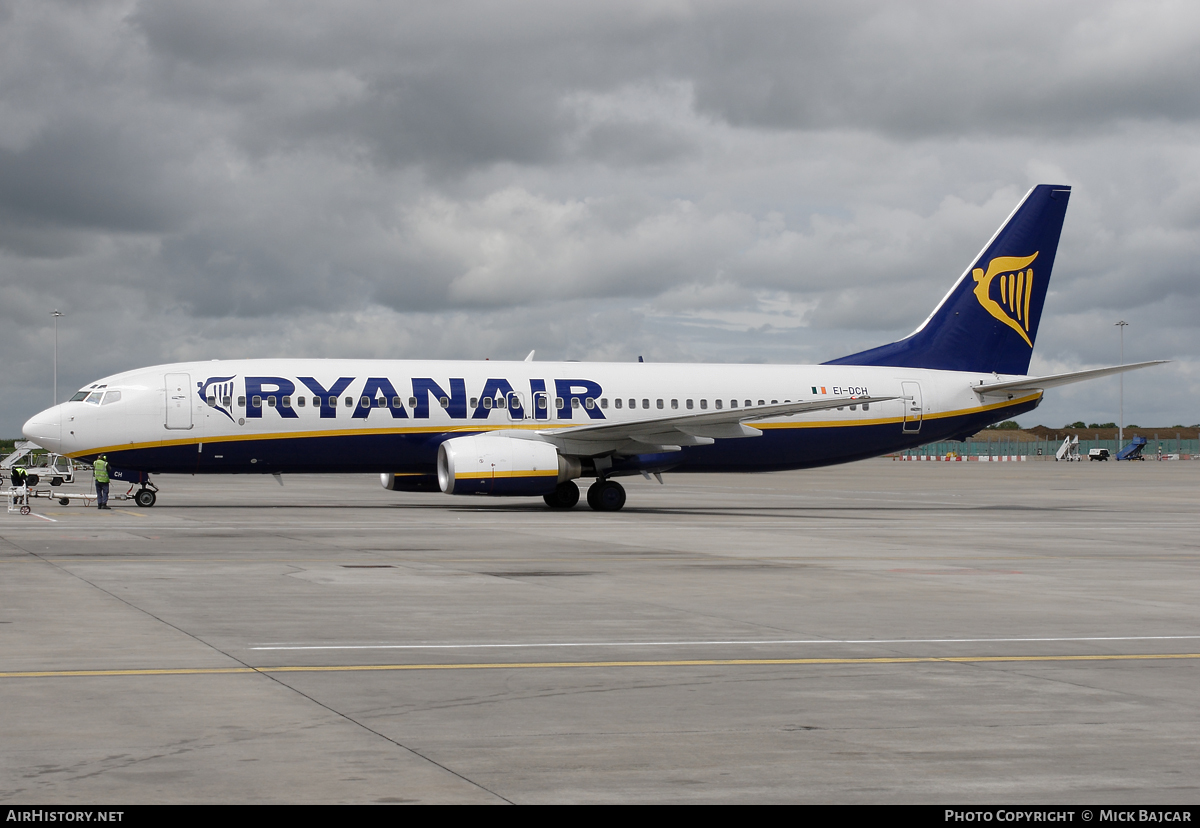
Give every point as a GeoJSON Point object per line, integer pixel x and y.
{"type": "Point", "coordinates": [502, 466]}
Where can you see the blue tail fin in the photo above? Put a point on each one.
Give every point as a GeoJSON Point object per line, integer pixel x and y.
{"type": "Point", "coordinates": [989, 319]}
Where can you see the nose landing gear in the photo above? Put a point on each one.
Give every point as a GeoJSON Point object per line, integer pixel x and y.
{"type": "Point", "coordinates": [145, 498]}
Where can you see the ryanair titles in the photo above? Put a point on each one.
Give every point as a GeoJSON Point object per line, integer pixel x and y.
{"type": "Point", "coordinates": [570, 398]}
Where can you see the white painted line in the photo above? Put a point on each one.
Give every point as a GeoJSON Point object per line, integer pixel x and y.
{"type": "Point", "coordinates": [712, 643]}
{"type": "Point", "coordinates": [42, 517]}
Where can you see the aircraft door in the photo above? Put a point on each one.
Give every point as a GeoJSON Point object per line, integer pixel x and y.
{"type": "Point", "coordinates": [516, 406]}
{"type": "Point", "coordinates": [179, 401]}
{"type": "Point", "coordinates": [913, 406]}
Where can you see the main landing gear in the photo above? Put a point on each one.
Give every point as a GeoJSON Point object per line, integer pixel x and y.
{"type": "Point", "coordinates": [606, 496]}
{"type": "Point", "coordinates": [565, 496]}
{"type": "Point", "coordinates": [603, 496]}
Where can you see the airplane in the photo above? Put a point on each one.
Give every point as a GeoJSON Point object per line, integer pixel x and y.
{"type": "Point", "coordinates": [529, 429]}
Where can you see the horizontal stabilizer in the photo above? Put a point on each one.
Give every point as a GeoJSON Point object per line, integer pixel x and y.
{"type": "Point", "coordinates": [1054, 380]}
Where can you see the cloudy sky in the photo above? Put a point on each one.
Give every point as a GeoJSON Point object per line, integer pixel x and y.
{"type": "Point", "coordinates": [688, 181]}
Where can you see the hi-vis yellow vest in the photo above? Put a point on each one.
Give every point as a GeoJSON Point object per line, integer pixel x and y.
{"type": "Point", "coordinates": [100, 468]}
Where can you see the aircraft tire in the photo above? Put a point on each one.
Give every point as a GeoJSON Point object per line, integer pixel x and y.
{"type": "Point", "coordinates": [606, 496]}
{"type": "Point", "coordinates": [144, 498]}
{"type": "Point", "coordinates": [565, 496]}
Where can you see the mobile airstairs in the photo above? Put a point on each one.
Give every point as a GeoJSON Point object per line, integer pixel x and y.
{"type": "Point", "coordinates": [1069, 450]}
{"type": "Point", "coordinates": [1133, 451]}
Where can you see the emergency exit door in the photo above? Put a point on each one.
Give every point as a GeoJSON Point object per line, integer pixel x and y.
{"type": "Point", "coordinates": [179, 401]}
{"type": "Point", "coordinates": [913, 407]}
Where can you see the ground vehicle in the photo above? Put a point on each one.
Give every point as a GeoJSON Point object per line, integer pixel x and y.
{"type": "Point", "coordinates": [1098, 454]}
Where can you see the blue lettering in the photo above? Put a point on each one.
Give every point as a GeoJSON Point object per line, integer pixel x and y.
{"type": "Point", "coordinates": [371, 391]}
{"type": "Point", "coordinates": [536, 387]}
{"type": "Point", "coordinates": [456, 400]}
{"type": "Point", "coordinates": [581, 390]}
{"type": "Point", "coordinates": [502, 388]}
{"type": "Point", "coordinates": [325, 394]}
{"type": "Point", "coordinates": [264, 386]}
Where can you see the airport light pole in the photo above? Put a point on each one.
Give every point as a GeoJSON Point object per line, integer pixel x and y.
{"type": "Point", "coordinates": [1122, 325]}
{"type": "Point", "coordinates": [56, 314]}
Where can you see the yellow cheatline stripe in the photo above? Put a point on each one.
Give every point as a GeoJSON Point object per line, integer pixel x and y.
{"type": "Point", "coordinates": [538, 426]}
{"type": "Point", "coordinates": [525, 665]}
{"type": "Point", "coordinates": [488, 475]}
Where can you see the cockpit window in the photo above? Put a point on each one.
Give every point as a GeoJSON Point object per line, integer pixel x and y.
{"type": "Point", "coordinates": [94, 397]}
{"type": "Point", "coordinates": [112, 397]}
{"type": "Point", "coordinates": [81, 395]}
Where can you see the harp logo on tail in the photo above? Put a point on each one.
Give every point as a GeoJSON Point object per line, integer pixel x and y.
{"type": "Point", "coordinates": [1007, 298]}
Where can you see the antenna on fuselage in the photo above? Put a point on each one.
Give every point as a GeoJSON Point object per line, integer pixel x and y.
{"type": "Point", "coordinates": [530, 357]}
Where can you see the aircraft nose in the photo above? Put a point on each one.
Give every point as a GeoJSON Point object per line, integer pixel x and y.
{"type": "Point", "coordinates": [45, 428]}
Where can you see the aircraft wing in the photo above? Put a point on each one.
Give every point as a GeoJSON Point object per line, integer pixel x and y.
{"type": "Point", "coordinates": [1040, 383]}
{"type": "Point", "coordinates": [672, 432]}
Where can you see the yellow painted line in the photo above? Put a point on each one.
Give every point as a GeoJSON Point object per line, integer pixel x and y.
{"type": "Point", "coordinates": [527, 665]}
{"type": "Point", "coordinates": [535, 426]}
{"type": "Point", "coordinates": [488, 475]}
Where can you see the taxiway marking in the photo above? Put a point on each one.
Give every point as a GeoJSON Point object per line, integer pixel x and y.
{"type": "Point", "coordinates": [715, 643]}
{"type": "Point", "coordinates": [527, 665]}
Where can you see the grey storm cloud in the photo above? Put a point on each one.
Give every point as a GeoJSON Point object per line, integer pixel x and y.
{"type": "Point", "coordinates": [679, 180]}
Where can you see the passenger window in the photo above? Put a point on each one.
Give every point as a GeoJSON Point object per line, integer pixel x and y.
{"type": "Point", "coordinates": [115, 396]}
{"type": "Point", "coordinates": [574, 402]}
{"type": "Point", "coordinates": [866, 406]}
{"type": "Point", "coordinates": [733, 403]}
{"type": "Point", "coordinates": [674, 403]}
{"type": "Point", "coordinates": [301, 402]}
{"type": "Point", "coordinates": [488, 402]}
{"type": "Point", "coordinates": [633, 403]}
{"type": "Point", "coordinates": [444, 402]}
{"type": "Point", "coordinates": [227, 402]}
{"type": "Point", "coordinates": [474, 402]}
{"type": "Point", "coordinates": [256, 401]}
{"type": "Point", "coordinates": [558, 403]}
{"type": "Point", "coordinates": [689, 404]}
{"type": "Point", "coordinates": [241, 402]}
{"type": "Point", "coordinates": [412, 402]}
{"type": "Point", "coordinates": [604, 402]}
{"type": "Point", "coordinates": [762, 402]}
{"type": "Point", "coordinates": [286, 401]}
{"type": "Point", "coordinates": [703, 404]}
{"type": "Point", "coordinates": [500, 402]}
{"type": "Point", "coordinates": [774, 402]}
{"type": "Point", "coordinates": [397, 402]}
{"type": "Point", "coordinates": [658, 403]}
{"type": "Point", "coordinates": [348, 402]}
{"type": "Point", "coordinates": [541, 402]}
{"type": "Point", "coordinates": [645, 403]}
{"type": "Point", "coordinates": [364, 402]}
{"type": "Point", "coordinates": [589, 403]}
{"type": "Point", "coordinates": [617, 402]}
{"type": "Point", "coordinates": [854, 408]}
{"type": "Point", "coordinates": [747, 403]}
{"type": "Point", "coordinates": [381, 402]}
{"type": "Point", "coordinates": [271, 401]}
{"type": "Point", "coordinates": [317, 402]}
{"type": "Point", "coordinates": [211, 400]}
{"type": "Point", "coordinates": [718, 403]}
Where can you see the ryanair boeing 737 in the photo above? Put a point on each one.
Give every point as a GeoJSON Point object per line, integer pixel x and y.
{"type": "Point", "coordinates": [530, 429]}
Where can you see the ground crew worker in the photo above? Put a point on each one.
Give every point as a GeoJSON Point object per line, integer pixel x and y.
{"type": "Point", "coordinates": [19, 476]}
{"type": "Point", "coordinates": [100, 472]}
